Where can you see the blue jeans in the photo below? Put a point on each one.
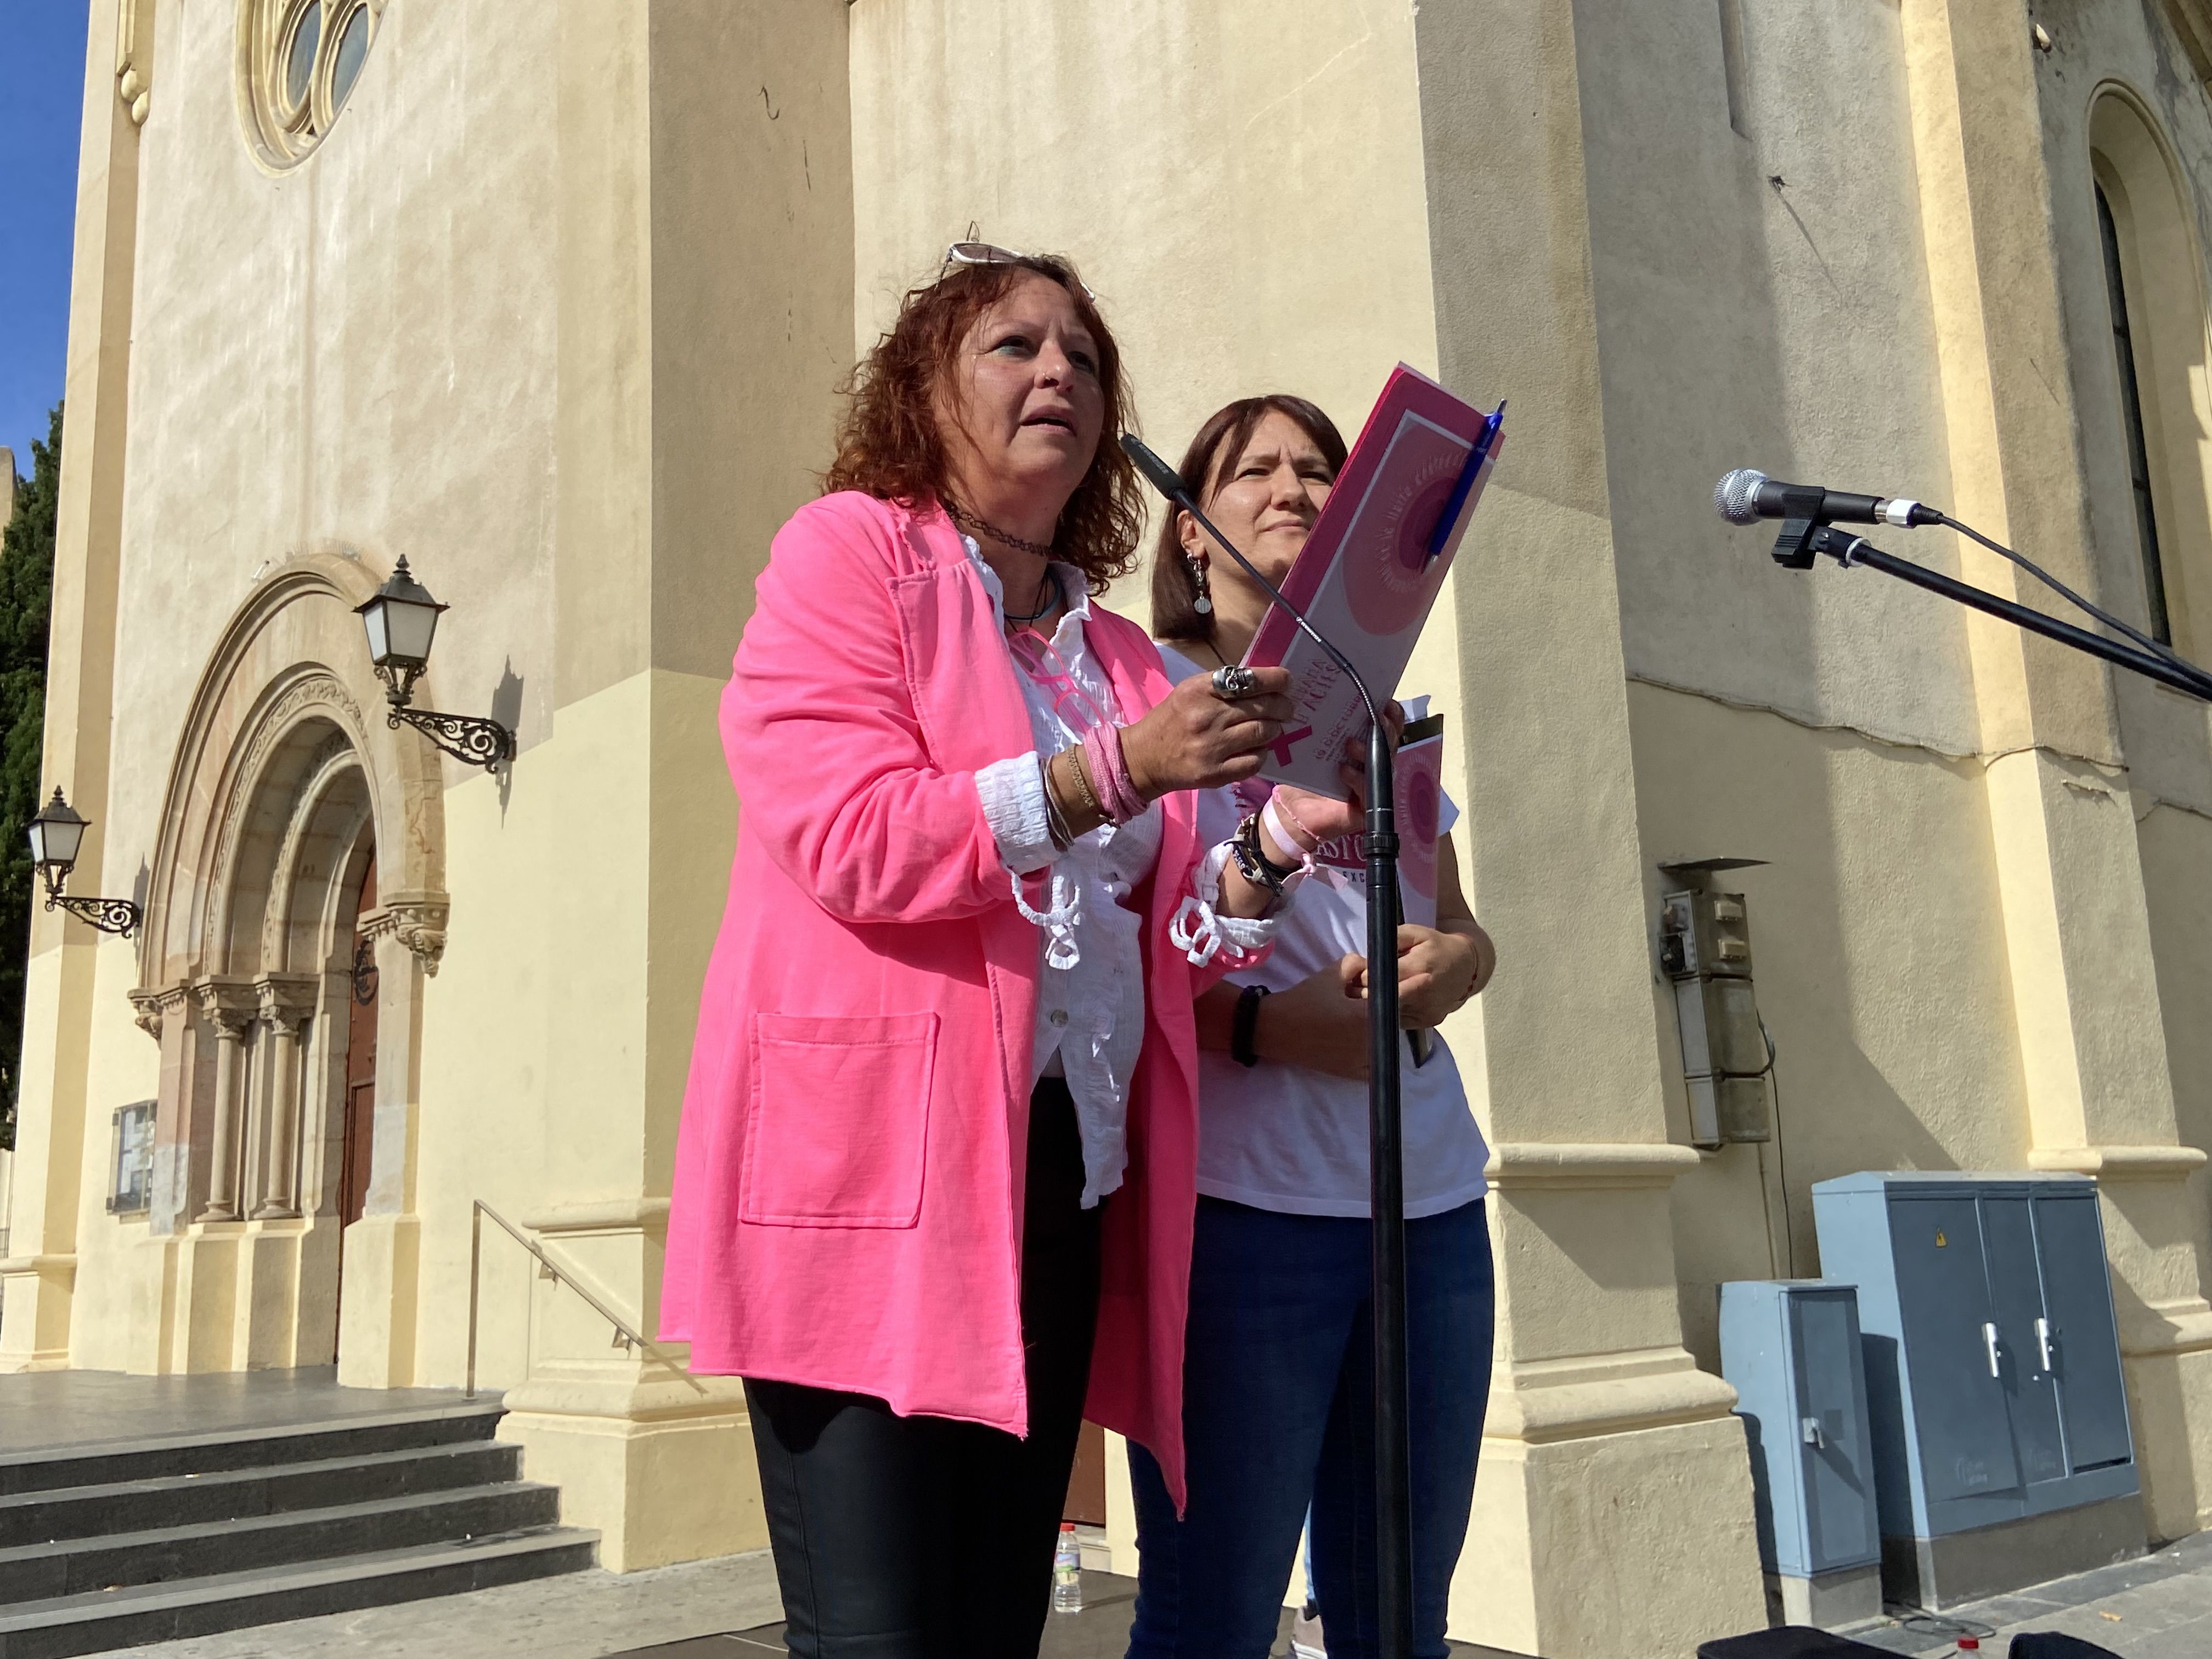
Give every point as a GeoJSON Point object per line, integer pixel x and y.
{"type": "Point", "coordinates": [1279, 1413]}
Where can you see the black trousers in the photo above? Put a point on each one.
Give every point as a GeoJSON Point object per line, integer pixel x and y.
{"type": "Point", "coordinates": [918, 1537]}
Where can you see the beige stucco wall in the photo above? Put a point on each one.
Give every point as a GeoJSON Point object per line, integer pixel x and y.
{"type": "Point", "coordinates": [513, 319]}
{"type": "Point", "coordinates": [2124, 107]}
{"type": "Point", "coordinates": [556, 313]}
{"type": "Point", "coordinates": [1784, 326]}
{"type": "Point", "coordinates": [1240, 183]}
{"type": "Point", "coordinates": [1880, 955]}
{"type": "Point", "coordinates": [306, 347]}
{"type": "Point", "coordinates": [2177, 852]}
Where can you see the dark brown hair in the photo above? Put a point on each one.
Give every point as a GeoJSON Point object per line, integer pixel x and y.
{"type": "Point", "coordinates": [888, 441]}
{"type": "Point", "coordinates": [1222, 438]}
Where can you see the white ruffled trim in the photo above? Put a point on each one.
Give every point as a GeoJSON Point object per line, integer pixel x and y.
{"type": "Point", "coordinates": [1199, 931]}
{"type": "Point", "coordinates": [1059, 920]}
{"type": "Point", "coordinates": [1012, 794]}
{"type": "Point", "coordinates": [1195, 930]}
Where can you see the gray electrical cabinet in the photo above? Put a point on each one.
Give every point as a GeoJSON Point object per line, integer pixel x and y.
{"type": "Point", "coordinates": [2002, 1454]}
{"type": "Point", "coordinates": [1790, 1349]}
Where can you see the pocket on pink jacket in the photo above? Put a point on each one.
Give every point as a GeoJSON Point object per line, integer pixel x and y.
{"type": "Point", "coordinates": [839, 1120]}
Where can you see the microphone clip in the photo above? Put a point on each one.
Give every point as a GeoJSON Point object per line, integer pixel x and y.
{"type": "Point", "coordinates": [1804, 515]}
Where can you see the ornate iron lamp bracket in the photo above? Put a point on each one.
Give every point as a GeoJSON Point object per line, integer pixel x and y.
{"type": "Point", "coordinates": [110, 915]}
{"type": "Point", "coordinates": [402, 620]}
{"type": "Point", "coordinates": [470, 738]}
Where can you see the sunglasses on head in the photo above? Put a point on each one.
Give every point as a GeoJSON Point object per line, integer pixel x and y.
{"type": "Point", "coordinates": [990, 254]}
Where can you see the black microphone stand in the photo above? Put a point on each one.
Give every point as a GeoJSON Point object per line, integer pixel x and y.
{"type": "Point", "coordinates": [1393, 1513]}
{"type": "Point", "coordinates": [1804, 538]}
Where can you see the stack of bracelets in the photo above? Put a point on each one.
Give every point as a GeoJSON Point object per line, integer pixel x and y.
{"type": "Point", "coordinates": [1101, 780]}
{"type": "Point", "coordinates": [1098, 778]}
{"type": "Point", "coordinates": [1249, 854]}
{"type": "Point", "coordinates": [1109, 773]}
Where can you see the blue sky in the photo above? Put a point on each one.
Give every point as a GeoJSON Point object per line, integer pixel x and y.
{"type": "Point", "coordinates": [41, 93]}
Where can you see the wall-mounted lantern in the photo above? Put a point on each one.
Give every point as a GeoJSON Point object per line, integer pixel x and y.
{"type": "Point", "coordinates": [402, 619]}
{"type": "Point", "coordinates": [57, 835]}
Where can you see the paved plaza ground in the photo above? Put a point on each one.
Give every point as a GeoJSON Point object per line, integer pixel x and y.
{"type": "Point", "coordinates": [2157, 1608]}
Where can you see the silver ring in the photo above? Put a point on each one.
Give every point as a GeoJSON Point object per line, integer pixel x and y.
{"type": "Point", "coordinates": [1234, 682]}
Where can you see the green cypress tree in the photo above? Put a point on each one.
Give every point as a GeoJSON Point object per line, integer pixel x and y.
{"type": "Point", "coordinates": [26, 589]}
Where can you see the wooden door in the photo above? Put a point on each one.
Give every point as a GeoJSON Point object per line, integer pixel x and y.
{"type": "Point", "coordinates": [360, 1069]}
{"type": "Point", "coordinates": [1086, 1486]}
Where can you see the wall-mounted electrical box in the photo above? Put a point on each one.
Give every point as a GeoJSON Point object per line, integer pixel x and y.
{"type": "Point", "coordinates": [1790, 1349]}
{"type": "Point", "coordinates": [1704, 948]}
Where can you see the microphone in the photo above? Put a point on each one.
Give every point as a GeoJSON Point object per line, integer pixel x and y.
{"type": "Point", "coordinates": [1748, 495]}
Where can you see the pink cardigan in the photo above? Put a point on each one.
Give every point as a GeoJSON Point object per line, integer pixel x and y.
{"type": "Point", "coordinates": [848, 1198]}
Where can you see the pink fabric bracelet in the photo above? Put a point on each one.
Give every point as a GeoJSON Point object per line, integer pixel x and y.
{"type": "Point", "coordinates": [1102, 748]}
{"type": "Point", "coordinates": [1271, 815]}
{"type": "Point", "coordinates": [1130, 799]}
{"type": "Point", "coordinates": [1284, 821]}
{"type": "Point", "coordinates": [1110, 771]}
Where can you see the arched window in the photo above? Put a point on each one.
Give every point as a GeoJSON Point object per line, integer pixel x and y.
{"type": "Point", "coordinates": [2148, 440]}
{"type": "Point", "coordinates": [2116, 290]}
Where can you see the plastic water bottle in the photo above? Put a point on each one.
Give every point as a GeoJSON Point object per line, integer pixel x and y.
{"type": "Point", "coordinates": [1067, 1571]}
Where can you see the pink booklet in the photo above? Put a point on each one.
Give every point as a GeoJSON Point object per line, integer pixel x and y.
{"type": "Point", "coordinates": [1418, 772]}
{"type": "Point", "coordinates": [1369, 574]}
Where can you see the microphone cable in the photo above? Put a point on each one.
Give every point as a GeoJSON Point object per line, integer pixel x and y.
{"type": "Point", "coordinates": [2154, 646]}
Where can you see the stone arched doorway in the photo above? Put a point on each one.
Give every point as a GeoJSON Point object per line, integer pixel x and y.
{"type": "Point", "coordinates": [287, 807]}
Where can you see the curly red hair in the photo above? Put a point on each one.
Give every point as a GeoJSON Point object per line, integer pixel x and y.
{"type": "Point", "coordinates": [888, 441]}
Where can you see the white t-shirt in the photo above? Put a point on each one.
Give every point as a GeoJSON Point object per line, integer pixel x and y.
{"type": "Point", "coordinates": [1288, 1138]}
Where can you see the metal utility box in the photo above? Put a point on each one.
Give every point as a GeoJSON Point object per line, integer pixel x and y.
{"type": "Point", "coordinates": [1790, 1349]}
{"type": "Point", "coordinates": [1704, 948]}
{"type": "Point", "coordinates": [2002, 1453]}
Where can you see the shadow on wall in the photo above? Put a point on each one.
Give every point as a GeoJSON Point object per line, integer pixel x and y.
{"type": "Point", "coordinates": [507, 709]}
{"type": "Point", "coordinates": [2157, 1413]}
{"type": "Point", "coordinates": [1853, 1087]}
{"type": "Point", "coordinates": [1884, 1126]}
{"type": "Point", "coordinates": [2175, 845]}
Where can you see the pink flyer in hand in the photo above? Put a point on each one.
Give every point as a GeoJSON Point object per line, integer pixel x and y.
{"type": "Point", "coordinates": [1369, 574]}
{"type": "Point", "coordinates": [1419, 773]}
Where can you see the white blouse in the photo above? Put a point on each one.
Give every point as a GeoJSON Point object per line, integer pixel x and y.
{"type": "Point", "coordinates": [1091, 993]}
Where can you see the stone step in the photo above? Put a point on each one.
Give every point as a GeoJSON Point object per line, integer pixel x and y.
{"type": "Point", "coordinates": [108, 1462]}
{"type": "Point", "coordinates": [139, 1505]}
{"type": "Point", "coordinates": [103, 1619]}
{"type": "Point", "coordinates": [79, 1567]}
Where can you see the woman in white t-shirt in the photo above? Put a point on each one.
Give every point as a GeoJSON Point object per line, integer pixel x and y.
{"type": "Point", "coordinates": [1278, 1376]}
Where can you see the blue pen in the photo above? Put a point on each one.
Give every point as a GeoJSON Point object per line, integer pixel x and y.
{"type": "Point", "coordinates": [1448, 519]}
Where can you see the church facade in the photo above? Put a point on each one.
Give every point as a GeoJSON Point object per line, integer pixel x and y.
{"type": "Point", "coordinates": [551, 301]}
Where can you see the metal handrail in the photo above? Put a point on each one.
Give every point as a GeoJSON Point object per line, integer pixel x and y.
{"type": "Point", "coordinates": [627, 1335]}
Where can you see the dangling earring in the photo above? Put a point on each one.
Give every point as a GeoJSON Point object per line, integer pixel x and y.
{"type": "Point", "coordinates": [1204, 603]}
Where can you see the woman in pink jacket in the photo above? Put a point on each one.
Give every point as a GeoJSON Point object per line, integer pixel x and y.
{"type": "Point", "coordinates": [949, 1010]}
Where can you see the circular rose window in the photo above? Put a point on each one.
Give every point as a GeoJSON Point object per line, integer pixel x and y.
{"type": "Point", "coordinates": [297, 64]}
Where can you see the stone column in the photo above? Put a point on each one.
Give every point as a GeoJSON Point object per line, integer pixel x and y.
{"type": "Point", "coordinates": [287, 1005]}
{"type": "Point", "coordinates": [2086, 1001]}
{"type": "Point", "coordinates": [1613, 1509]}
{"type": "Point", "coordinates": [654, 131]}
{"type": "Point", "coordinates": [38, 1275]}
{"type": "Point", "coordinates": [230, 1020]}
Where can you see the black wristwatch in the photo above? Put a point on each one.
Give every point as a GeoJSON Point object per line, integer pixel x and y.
{"type": "Point", "coordinates": [1241, 1027]}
